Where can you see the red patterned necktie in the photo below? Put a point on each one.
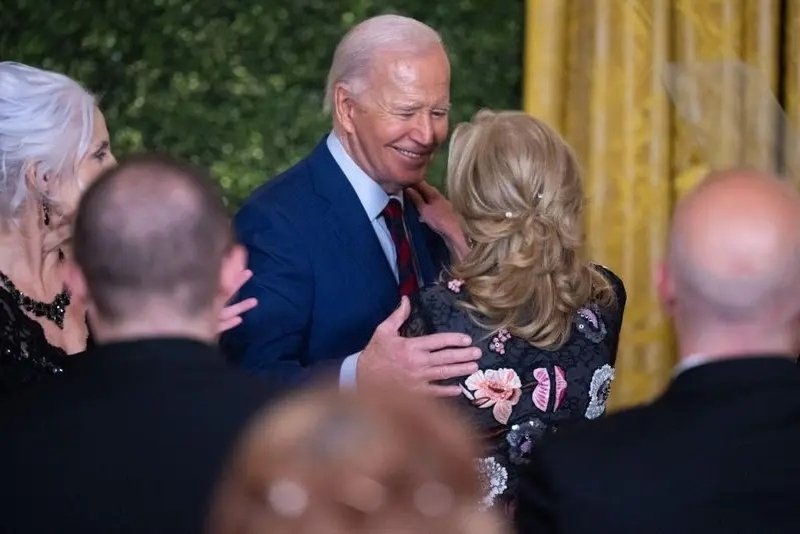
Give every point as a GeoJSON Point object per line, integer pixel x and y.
{"type": "Point", "coordinates": [407, 278]}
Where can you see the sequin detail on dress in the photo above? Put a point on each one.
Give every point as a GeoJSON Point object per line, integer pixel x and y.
{"type": "Point", "coordinates": [493, 479]}
{"type": "Point", "coordinates": [590, 323]}
{"type": "Point", "coordinates": [521, 439]}
{"type": "Point", "coordinates": [25, 355]}
{"type": "Point", "coordinates": [498, 343]}
{"type": "Point", "coordinates": [599, 389]}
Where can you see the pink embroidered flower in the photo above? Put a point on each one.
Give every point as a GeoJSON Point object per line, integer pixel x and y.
{"type": "Point", "coordinates": [498, 343]}
{"type": "Point", "coordinates": [455, 284]}
{"type": "Point", "coordinates": [541, 393]}
{"type": "Point", "coordinates": [500, 388]}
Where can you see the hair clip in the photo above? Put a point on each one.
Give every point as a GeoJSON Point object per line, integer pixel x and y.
{"type": "Point", "coordinates": [539, 195]}
{"type": "Point", "coordinates": [509, 215]}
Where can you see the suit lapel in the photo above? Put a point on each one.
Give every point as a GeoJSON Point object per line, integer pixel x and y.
{"type": "Point", "coordinates": [348, 223]}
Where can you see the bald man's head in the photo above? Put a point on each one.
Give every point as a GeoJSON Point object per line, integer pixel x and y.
{"type": "Point", "coordinates": [734, 251]}
{"type": "Point", "coordinates": [151, 229]}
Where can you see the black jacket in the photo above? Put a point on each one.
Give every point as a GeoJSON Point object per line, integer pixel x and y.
{"type": "Point", "coordinates": [131, 440]}
{"type": "Point", "coordinates": [718, 452]}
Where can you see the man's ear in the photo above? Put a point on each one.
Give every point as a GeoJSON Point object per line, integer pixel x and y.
{"type": "Point", "coordinates": [233, 263]}
{"type": "Point", "coordinates": [665, 286]}
{"type": "Point", "coordinates": [76, 282]}
{"type": "Point", "coordinates": [344, 107]}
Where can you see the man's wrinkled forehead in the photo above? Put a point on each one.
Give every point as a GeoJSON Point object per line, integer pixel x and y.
{"type": "Point", "coordinates": [429, 73]}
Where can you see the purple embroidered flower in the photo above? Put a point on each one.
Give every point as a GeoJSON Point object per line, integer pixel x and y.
{"type": "Point", "coordinates": [522, 438]}
{"type": "Point", "coordinates": [599, 390]}
{"type": "Point", "coordinates": [498, 343]}
{"type": "Point", "coordinates": [590, 323]}
{"type": "Point", "coordinates": [455, 284]}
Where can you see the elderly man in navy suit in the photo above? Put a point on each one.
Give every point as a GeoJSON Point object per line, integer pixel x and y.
{"type": "Point", "coordinates": [334, 242]}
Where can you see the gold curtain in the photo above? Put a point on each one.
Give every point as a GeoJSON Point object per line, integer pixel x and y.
{"type": "Point", "coordinates": [598, 71]}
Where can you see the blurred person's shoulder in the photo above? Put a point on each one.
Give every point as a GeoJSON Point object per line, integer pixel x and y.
{"type": "Point", "coordinates": [608, 444]}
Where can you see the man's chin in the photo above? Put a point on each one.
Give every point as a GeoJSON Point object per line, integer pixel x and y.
{"type": "Point", "coordinates": [404, 179]}
{"type": "Point", "coordinates": [411, 181]}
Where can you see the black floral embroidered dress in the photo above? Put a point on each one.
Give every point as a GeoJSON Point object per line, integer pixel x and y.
{"type": "Point", "coordinates": [522, 392]}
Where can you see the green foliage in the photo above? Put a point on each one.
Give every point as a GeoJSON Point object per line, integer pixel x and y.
{"type": "Point", "coordinates": [237, 85]}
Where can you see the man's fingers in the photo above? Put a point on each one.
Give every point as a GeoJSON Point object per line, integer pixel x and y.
{"type": "Point", "coordinates": [227, 324]}
{"type": "Point", "coordinates": [241, 278]}
{"type": "Point", "coordinates": [416, 198]}
{"type": "Point", "coordinates": [437, 390]}
{"type": "Point", "coordinates": [453, 355]}
{"type": "Point", "coordinates": [427, 191]}
{"type": "Point", "coordinates": [237, 309]}
{"type": "Point", "coordinates": [440, 341]}
{"type": "Point", "coordinates": [399, 316]}
{"type": "Point", "coordinates": [445, 372]}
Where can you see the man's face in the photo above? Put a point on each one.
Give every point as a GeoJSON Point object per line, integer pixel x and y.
{"type": "Point", "coordinates": [399, 120]}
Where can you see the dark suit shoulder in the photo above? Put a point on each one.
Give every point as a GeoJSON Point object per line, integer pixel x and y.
{"type": "Point", "coordinates": [290, 189]}
{"type": "Point", "coordinates": [599, 450]}
{"type": "Point", "coordinates": [142, 432]}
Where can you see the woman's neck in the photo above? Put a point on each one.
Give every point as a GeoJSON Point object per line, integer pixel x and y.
{"type": "Point", "coordinates": [29, 255]}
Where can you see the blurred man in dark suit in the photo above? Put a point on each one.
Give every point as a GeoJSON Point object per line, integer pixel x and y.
{"type": "Point", "coordinates": [718, 451]}
{"type": "Point", "coordinates": [133, 437]}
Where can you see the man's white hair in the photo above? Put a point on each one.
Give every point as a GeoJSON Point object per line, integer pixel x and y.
{"type": "Point", "coordinates": [46, 122]}
{"type": "Point", "coordinates": [360, 46]}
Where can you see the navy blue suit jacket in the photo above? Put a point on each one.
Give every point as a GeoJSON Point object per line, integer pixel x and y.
{"type": "Point", "coordinates": [320, 275]}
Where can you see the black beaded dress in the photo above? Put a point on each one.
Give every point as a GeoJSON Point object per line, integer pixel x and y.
{"type": "Point", "coordinates": [520, 392]}
{"type": "Point", "coordinates": [26, 358]}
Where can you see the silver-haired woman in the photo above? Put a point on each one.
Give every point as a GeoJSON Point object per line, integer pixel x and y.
{"type": "Point", "coordinates": [53, 144]}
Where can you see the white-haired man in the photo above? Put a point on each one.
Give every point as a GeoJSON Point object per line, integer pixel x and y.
{"type": "Point", "coordinates": [333, 242]}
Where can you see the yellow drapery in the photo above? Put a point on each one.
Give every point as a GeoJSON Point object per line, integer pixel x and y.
{"type": "Point", "coordinates": [595, 69]}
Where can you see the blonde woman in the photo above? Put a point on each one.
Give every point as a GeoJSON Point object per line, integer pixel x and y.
{"type": "Point", "coordinates": [323, 462]}
{"type": "Point", "coordinates": [546, 319]}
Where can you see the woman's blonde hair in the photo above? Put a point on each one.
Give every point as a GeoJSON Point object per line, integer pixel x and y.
{"type": "Point", "coordinates": [517, 184]}
{"type": "Point", "coordinates": [329, 462]}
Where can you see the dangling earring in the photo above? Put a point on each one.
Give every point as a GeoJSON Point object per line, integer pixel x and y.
{"type": "Point", "coordinates": [45, 206]}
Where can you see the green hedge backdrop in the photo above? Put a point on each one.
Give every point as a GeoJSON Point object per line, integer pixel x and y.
{"type": "Point", "coordinates": [237, 85]}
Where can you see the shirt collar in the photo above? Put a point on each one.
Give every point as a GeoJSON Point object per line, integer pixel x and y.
{"type": "Point", "coordinates": [690, 361]}
{"type": "Point", "coordinates": [369, 193]}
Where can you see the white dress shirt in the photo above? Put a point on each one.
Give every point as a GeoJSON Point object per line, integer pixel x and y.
{"type": "Point", "coordinates": [373, 199]}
